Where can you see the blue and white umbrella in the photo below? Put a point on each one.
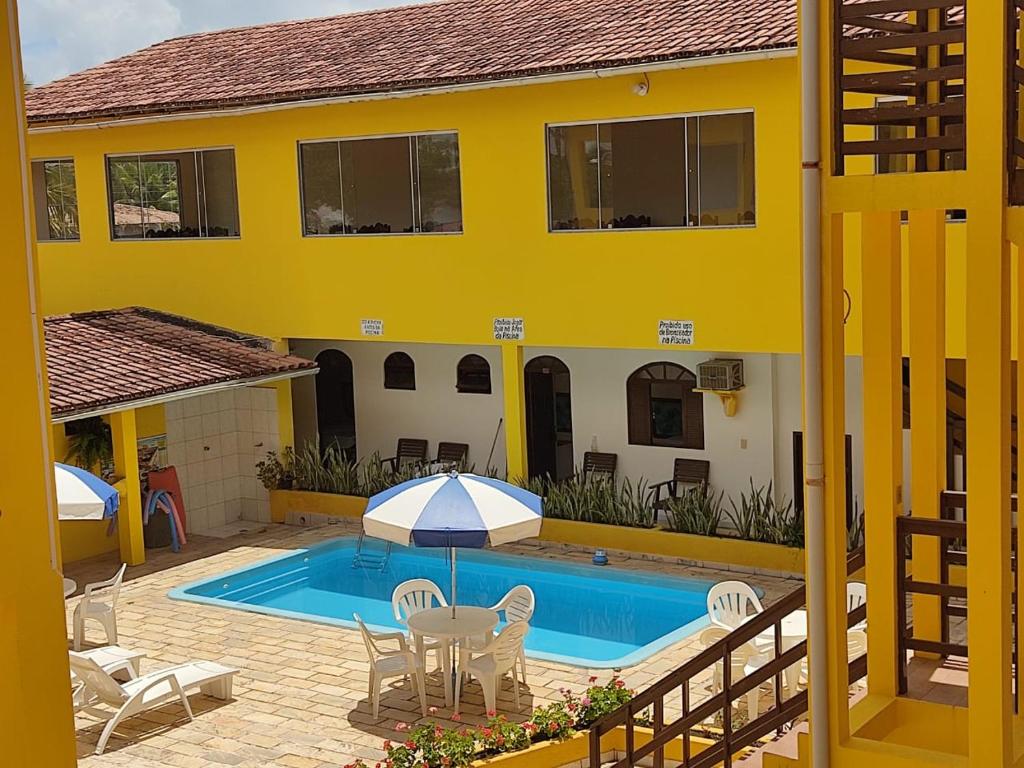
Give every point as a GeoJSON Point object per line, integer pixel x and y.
{"type": "Point", "coordinates": [453, 510]}
{"type": "Point", "coordinates": [83, 496]}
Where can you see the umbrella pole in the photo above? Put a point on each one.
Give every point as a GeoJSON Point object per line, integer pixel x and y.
{"type": "Point", "coordinates": [453, 582]}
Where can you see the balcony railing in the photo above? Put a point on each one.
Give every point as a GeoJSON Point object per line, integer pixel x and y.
{"type": "Point", "coordinates": [899, 81]}
{"type": "Point", "coordinates": [1015, 94]}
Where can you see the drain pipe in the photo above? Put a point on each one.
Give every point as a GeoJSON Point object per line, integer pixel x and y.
{"type": "Point", "coordinates": [810, 98]}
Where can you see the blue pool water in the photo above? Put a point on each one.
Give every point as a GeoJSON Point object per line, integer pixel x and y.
{"type": "Point", "coordinates": [585, 615]}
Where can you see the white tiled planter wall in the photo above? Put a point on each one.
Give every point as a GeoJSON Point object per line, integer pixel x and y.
{"type": "Point", "coordinates": [214, 441]}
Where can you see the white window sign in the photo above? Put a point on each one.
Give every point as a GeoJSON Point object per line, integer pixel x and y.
{"type": "Point", "coordinates": [372, 327]}
{"type": "Point", "coordinates": [509, 329]}
{"type": "Point", "coordinates": [677, 333]}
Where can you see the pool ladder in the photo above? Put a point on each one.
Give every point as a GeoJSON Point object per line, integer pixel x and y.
{"type": "Point", "coordinates": [375, 560]}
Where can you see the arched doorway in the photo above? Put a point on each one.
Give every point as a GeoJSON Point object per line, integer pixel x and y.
{"type": "Point", "coordinates": [548, 418]}
{"type": "Point", "coordinates": [335, 401]}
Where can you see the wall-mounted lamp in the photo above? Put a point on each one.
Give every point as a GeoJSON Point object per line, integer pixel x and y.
{"type": "Point", "coordinates": [643, 88]}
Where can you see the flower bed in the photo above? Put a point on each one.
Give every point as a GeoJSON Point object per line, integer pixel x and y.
{"type": "Point", "coordinates": [435, 746]}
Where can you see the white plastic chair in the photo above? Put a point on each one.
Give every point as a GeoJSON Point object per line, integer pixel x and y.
{"type": "Point", "coordinates": [491, 663]}
{"type": "Point", "coordinates": [97, 686]}
{"type": "Point", "coordinates": [417, 595]}
{"type": "Point", "coordinates": [745, 660]}
{"type": "Point", "coordinates": [856, 596]}
{"type": "Point", "coordinates": [99, 603]}
{"type": "Point", "coordinates": [518, 604]}
{"type": "Point", "coordinates": [730, 603]}
{"type": "Point", "coordinates": [391, 663]}
{"type": "Point", "coordinates": [856, 646]}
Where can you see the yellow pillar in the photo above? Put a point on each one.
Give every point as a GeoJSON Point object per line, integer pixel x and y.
{"type": "Point", "coordinates": [883, 436]}
{"type": "Point", "coordinates": [833, 375]}
{"type": "Point", "coordinates": [514, 393]}
{"type": "Point", "coordinates": [927, 271]}
{"type": "Point", "coordinates": [35, 706]}
{"type": "Point", "coordinates": [990, 701]}
{"type": "Point", "coordinates": [126, 466]}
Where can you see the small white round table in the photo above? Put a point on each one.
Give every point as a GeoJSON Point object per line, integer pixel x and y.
{"type": "Point", "coordinates": [69, 587]}
{"type": "Point", "coordinates": [793, 631]}
{"type": "Point", "coordinates": [468, 621]}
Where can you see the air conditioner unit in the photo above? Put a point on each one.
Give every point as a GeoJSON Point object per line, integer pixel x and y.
{"type": "Point", "coordinates": [720, 375]}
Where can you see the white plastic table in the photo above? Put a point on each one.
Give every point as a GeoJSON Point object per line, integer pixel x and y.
{"type": "Point", "coordinates": [469, 621]}
{"type": "Point", "coordinates": [793, 631]}
{"type": "Point", "coordinates": [69, 587]}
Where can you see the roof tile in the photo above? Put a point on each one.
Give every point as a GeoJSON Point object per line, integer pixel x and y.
{"type": "Point", "coordinates": [435, 43]}
{"type": "Point", "coordinates": [99, 359]}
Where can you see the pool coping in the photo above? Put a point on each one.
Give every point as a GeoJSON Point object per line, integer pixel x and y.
{"type": "Point", "coordinates": [628, 660]}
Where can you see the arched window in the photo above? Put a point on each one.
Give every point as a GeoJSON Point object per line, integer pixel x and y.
{"type": "Point", "coordinates": [399, 371]}
{"type": "Point", "coordinates": [473, 375]}
{"type": "Point", "coordinates": [663, 408]}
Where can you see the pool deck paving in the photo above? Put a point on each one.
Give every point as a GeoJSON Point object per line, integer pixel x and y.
{"type": "Point", "coordinates": [300, 698]}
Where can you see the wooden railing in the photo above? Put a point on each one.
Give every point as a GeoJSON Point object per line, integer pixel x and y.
{"type": "Point", "coordinates": [952, 535]}
{"type": "Point", "coordinates": [678, 682]}
{"type": "Point", "coordinates": [912, 51]}
{"type": "Point", "coordinates": [1015, 95]}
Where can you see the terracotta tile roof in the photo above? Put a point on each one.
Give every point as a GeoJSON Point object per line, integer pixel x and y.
{"type": "Point", "coordinates": [432, 44]}
{"type": "Point", "coordinates": [101, 359]}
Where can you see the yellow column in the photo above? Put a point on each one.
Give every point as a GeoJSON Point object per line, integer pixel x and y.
{"type": "Point", "coordinates": [834, 426]}
{"type": "Point", "coordinates": [35, 708]}
{"type": "Point", "coordinates": [515, 410]}
{"type": "Point", "coordinates": [883, 436]}
{"type": "Point", "coordinates": [927, 400]}
{"type": "Point", "coordinates": [988, 393]}
{"type": "Point", "coordinates": [126, 465]}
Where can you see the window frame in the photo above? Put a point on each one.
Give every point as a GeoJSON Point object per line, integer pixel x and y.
{"type": "Point", "coordinates": [684, 442]}
{"type": "Point", "coordinates": [644, 118]}
{"type": "Point", "coordinates": [411, 366]}
{"type": "Point", "coordinates": [490, 378]}
{"type": "Point", "coordinates": [35, 228]}
{"type": "Point", "coordinates": [412, 187]}
{"type": "Point", "coordinates": [151, 153]}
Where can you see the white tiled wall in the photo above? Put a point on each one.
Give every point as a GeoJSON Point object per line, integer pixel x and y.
{"type": "Point", "coordinates": [214, 441]}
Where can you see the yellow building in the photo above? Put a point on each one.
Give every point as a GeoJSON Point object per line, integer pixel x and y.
{"type": "Point", "coordinates": [557, 218]}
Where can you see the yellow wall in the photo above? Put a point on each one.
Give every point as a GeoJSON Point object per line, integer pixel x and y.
{"type": "Point", "coordinates": [80, 539]}
{"type": "Point", "coordinates": [35, 706]}
{"type": "Point", "coordinates": [740, 286]}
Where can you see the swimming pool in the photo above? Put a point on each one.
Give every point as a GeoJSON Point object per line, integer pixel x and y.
{"type": "Point", "coordinates": [586, 615]}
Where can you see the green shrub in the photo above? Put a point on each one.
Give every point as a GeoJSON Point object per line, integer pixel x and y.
{"type": "Point", "coordinates": [697, 510]}
{"type": "Point", "coordinates": [759, 517]}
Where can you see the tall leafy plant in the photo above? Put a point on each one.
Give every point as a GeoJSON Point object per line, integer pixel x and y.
{"type": "Point", "coordinates": [91, 445]}
{"type": "Point", "coordinates": [697, 510]}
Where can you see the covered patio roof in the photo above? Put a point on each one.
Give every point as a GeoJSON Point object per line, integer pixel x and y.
{"type": "Point", "coordinates": [111, 360]}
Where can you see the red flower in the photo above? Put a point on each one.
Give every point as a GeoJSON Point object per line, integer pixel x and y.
{"type": "Point", "coordinates": [486, 732]}
{"type": "Point", "coordinates": [387, 744]}
{"type": "Point", "coordinates": [402, 727]}
{"type": "Point", "coordinates": [456, 717]}
{"type": "Point", "coordinates": [410, 745]}
{"type": "Point", "coordinates": [491, 713]}
{"type": "Point", "coordinates": [620, 683]}
{"type": "Point", "coordinates": [593, 678]}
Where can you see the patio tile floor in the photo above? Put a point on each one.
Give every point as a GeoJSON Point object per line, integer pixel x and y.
{"type": "Point", "coordinates": [300, 700]}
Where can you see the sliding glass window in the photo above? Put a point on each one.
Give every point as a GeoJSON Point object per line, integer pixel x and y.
{"type": "Point", "coordinates": [398, 184]}
{"type": "Point", "coordinates": [175, 194]}
{"type": "Point", "coordinates": [665, 172]}
{"type": "Point", "coordinates": [55, 199]}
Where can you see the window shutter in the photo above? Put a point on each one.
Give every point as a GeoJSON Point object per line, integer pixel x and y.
{"type": "Point", "coordinates": [638, 407]}
{"type": "Point", "coordinates": [693, 419]}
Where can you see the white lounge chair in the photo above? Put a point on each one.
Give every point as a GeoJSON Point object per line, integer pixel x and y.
{"type": "Point", "coordinates": [856, 596]}
{"type": "Point", "coordinates": [97, 686]}
{"type": "Point", "coordinates": [730, 603]}
{"type": "Point", "coordinates": [99, 603]}
{"type": "Point", "coordinates": [744, 661]}
{"type": "Point", "coordinates": [518, 604]}
{"type": "Point", "coordinates": [115, 660]}
{"type": "Point", "coordinates": [491, 663]}
{"type": "Point", "coordinates": [417, 595]}
{"type": "Point", "coordinates": [391, 663]}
